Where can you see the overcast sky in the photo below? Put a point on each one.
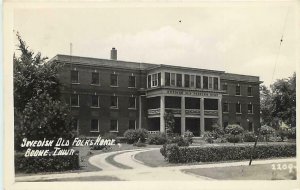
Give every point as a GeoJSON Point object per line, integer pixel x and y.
{"type": "Point", "coordinates": [239, 38]}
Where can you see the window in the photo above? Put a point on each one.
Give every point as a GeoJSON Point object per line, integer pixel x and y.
{"type": "Point", "coordinates": [113, 125]}
{"type": "Point", "coordinates": [95, 78]}
{"type": "Point", "coordinates": [114, 102]}
{"type": "Point", "coordinates": [95, 101]}
{"type": "Point", "coordinates": [113, 80]}
{"type": "Point", "coordinates": [74, 76]}
{"type": "Point", "coordinates": [186, 80]}
{"type": "Point", "coordinates": [149, 81]}
{"type": "Point", "coordinates": [250, 108]}
{"type": "Point", "coordinates": [225, 107]}
{"type": "Point", "coordinates": [205, 82]}
{"type": "Point", "coordinates": [167, 79]}
{"type": "Point", "coordinates": [154, 80]}
{"type": "Point", "coordinates": [238, 90]}
{"type": "Point", "coordinates": [238, 108]}
{"type": "Point", "coordinates": [225, 124]}
{"type": "Point", "coordinates": [131, 81]}
{"type": "Point", "coordinates": [132, 101]}
{"type": "Point", "coordinates": [210, 82]}
{"type": "Point", "coordinates": [75, 124]}
{"type": "Point", "coordinates": [198, 81]}
{"type": "Point", "coordinates": [192, 81]}
{"type": "Point", "coordinates": [94, 125]}
{"type": "Point", "coordinates": [132, 124]}
{"type": "Point", "coordinates": [179, 80]}
{"type": "Point", "coordinates": [216, 83]}
{"type": "Point", "coordinates": [75, 100]}
{"type": "Point", "coordinates": [225, 87]}
{"type": "Point", "coordinates": [250, 126]}
{"type": "Point", "coordinates": [173, 79]}
{"type": "Point", "coordinates": [159, 79]}
{"type": "Point", "coordinates": [249, 91]}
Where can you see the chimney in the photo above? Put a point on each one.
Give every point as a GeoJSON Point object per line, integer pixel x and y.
{"type": "Point", "coordinates": [113, 54]}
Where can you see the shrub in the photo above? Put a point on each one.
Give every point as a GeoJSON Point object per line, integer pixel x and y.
{"type": "Point", "coordinates": [158, 139]}
{"type": "Point", "coordinates": [292, 133]}
{"type": "Point", "coordinates": [180, 141]}
{"type": "Point", "coordinates": [234, 129]}
{"type": "Point", "coordinates": [46, 163]}
{"type": "Point", "coordinates": [234, 138]}
{"type": "Point", "coordinates": [266, 130]}
{"type": "Point", "coordinates": [133, 136]}
{"type": "Point", "coordinates": [220, 140]}
{"type": "Point", "coordinates": [189, 135]}
{"type": "Point", "coordinates": [249, 137]}
{"type": "Point", "coordinates": [175, 154]}
{"type": "Point", "coordinates": [217, 131]}
{"type": "Point", "coordinates": [209, 140]}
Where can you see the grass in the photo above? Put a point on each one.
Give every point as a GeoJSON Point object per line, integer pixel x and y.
{"type": "Point", "coordinates": [253, 172]}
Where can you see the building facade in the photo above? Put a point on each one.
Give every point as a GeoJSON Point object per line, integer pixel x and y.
{"type": "Point", "coordinates": [108, 95]}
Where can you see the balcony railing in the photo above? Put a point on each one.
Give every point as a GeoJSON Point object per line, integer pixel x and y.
{"type": "Point", "coordinates": [187, 111]}
{"type": "Point", "coordinates": [173, 110]}
{"type": "Point", "coordinates": [153, 132]}
{"type": "Point", "coordinates": [154, 111]}
{"type": "Point", "coordinates": [192, 111]}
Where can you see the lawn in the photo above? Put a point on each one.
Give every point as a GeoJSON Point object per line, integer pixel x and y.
{"type": "Point", "coordinates": [253, 172]}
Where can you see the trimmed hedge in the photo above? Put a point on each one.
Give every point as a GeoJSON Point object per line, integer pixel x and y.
{"type": "Point", "coordinates": [176, 154]}
{"type": "Point", "coordinates": [158, 139]}
{"type": "Point", "coordinates": [46, 163]}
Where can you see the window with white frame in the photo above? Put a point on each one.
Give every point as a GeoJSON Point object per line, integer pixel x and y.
{"type": "Point", "coordinates": [249, 91]}
{"type": "Point", "coordinates": [198, 81]}
{"type": "Point", "coordinates": [94, 125]}
{"type": "Point", "coordinates": [74, 76]}
{"type": "Point", "coordinates": [95, 101]}
{"type": "Point", "coordinates": [95, 78]}
{"type": "Point", "coordinates": [216, 83]}
{"type": "Point", "coordinates": [113, 80]}
{"type": "Point", "coordinates": [131, 81]}
{"type": "Point", "coordinates": [173, 79]}
{"type": "Point", "coordinates": [225, 107]}
{"type": "Point", "coordinates": [132, 103]}
{"type": "Point", "coordinates": [205, 82]}
{"type": "Point", "coordinates": [74, 100]}
{"type": "Point", "coordinates": [154, 80]}
{"type": "Point", "coordinates": [238, 90]}
{"type": "Point", "coordinates": [75, 124]}
{"type": "Point", "coordinates": [238, 108]}
{"type": "Point", "coordinates": [113, 125]}
{"type": "Point", "coordinates": [114, 101]}
{"type": "Point", "coordinates": [186, 80]}
{"type": "Point", "coordinates": [192, 81]}
{"type": "Point", "coordinates": [149, 81]}
{"type": "Point", "coordinates": [250, 108]}
{"type": "Point", "coordinates": [210, 82]}
{"type": "Point", "coordinates": [179, 80]}
{"type": "Point", "coordinates": [167, 79]}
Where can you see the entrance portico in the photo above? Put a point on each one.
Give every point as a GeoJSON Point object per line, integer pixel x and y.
{"type": "Point", "coordinates": [189, 106]}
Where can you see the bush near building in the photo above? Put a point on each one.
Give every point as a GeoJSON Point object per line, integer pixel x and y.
{"type": "Point", "coordinates": [175, 154]}
{"type": "Point", "coordinates": [133, 136]}
{"type": "Point", "coordinates": [157, 139]}
{"type": "Point", "coordinates": [46, 163]}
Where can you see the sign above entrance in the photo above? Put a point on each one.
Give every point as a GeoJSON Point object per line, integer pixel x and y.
{"type": "Point", "coordinates": [191, 93]}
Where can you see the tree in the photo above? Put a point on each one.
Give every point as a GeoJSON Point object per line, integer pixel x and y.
{"type": "Point", "coordinates": [38, 111]}
{"type": "Point", "coordinates": [169, 123]}
{"type": "Point", "coordinates": [284, 100]}
{"type": "Point", "coordinates": [265, 105]}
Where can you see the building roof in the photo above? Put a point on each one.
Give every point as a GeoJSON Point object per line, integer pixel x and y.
{"type": "Point", "coordinates": [146, 66]}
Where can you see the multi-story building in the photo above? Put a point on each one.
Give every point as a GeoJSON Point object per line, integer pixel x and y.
{"type": "Point", "coordinates": [109, 95]}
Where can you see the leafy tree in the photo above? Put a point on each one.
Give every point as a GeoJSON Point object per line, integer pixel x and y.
{"type": "Point", "coordinates": [265, 105]}
{"type": "Point", "coordinates": [234, 129]}
{"type": "Point", "coordinates": [284, 100]}
{"type": "Point", "coordinates": [38, 111]}
{"type": "Point", "coordinates": [169, 123]}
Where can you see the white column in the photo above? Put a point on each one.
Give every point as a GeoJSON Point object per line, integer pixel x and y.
{"type": "Point", "coordinates": [162, 114]}
{"type": "Point", "coordinates": [202, 128]}
{"type": "Point", "coordinates": [220, 112]}
{"type": "Point", "coordinates": [182, 115]}
{"type": "Point", "coordinates": [140, 112]}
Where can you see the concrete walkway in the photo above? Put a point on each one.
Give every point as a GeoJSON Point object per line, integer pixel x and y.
{"type": "Point", "coordinates": [140, 171]}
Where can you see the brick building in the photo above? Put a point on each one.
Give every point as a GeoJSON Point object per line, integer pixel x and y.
{"type": "Point", "coordinates": [109, 95]}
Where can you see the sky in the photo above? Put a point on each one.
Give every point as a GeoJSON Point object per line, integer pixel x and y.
{"type": "Point", "coordinates": [236, 38]}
